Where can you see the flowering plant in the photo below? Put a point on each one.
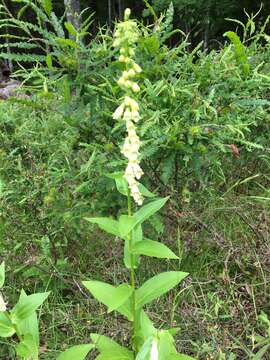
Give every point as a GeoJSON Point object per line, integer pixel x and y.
{"type": "Point", "coordinates": [148, 342]}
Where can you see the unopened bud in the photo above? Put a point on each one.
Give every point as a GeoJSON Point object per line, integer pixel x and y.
{"type": "Point", "coordinates": [127, 14]}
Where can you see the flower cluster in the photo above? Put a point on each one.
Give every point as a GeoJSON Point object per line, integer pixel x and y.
{"type": "Point", "coordinates": [126, 36]}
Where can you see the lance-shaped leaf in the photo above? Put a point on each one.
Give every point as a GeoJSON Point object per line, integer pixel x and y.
{"type": "Point", "coordinates": [6, 326]}
{"type": "Point", "coordinates": [154, 249]}
{"type": "Point", "coordinates": [2, 274]}
{"type": "Point", "coordinates": [126, 225]}
{"type": "Point", "coordinates": [78, 352]}
{"type": "Point", "coordinates": [148, 210]}
{"type": "Point", "coordinates": [107, 224]}
{"type": "Point", "coordinates": [165, 345]}
{"type": "Point", "coordinates": [27, 348]}
{"type": "Point", "coordinates": [157, 286]}
{"type": "Point", "coordinates": [137, 236]}
{"type": "Point", "coordinates": [30, 324]}
{"type": "Point", "coordinates": [147, 328]}
{"type": "Point", "coordinates": [109, 349]}
{"type": "Point", "coordinates": [145, 350]}
{"type": "Point", "coordinates": [70, 28]}
{"type": "Point", "coordinates": [120, 182]}
{"type": "Point", "coordinates": [112, 297]}
{"type": "Point", "coordinates": [26, 306]}
{"type": "Point", "coordinates": [145, 192]}
{"type": "Point", "coordinates": [47, 4]}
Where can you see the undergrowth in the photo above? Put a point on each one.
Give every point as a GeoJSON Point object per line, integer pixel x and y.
{"type": "Point", "coordinates": [205, 133]}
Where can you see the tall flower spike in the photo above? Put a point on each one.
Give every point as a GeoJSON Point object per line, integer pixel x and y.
{"type": "Point", "coordinates": [125, 38]}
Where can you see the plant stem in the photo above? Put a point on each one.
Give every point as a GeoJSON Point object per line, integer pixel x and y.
{"type": "Point", "coordinates": [132, 274]}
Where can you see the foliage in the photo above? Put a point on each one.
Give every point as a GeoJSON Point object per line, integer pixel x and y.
{"type": "Point", "coordinates": [22, 320]}
{"type": "Point", "coordinates": [205, 134]}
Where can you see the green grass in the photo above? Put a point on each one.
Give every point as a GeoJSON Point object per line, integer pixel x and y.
{"type": "Point", "coordinates": [216, 308]}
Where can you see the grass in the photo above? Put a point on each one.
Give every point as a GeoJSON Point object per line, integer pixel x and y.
{"type": "Point", "coordinates": [216, 309]}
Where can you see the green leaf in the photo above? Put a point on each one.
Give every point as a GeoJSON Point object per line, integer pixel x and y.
{"type": "Point", "coordinates": [144, 353]}
{"type": "Point", "coordinates": [6, 326]}
{"type": "Point", "coordinates": [47, 4]}
{"type": "Point", "coordinates": [126, 225]}
{"type": "Point", "coordinates": [30, 324]}
{"type": "Point", "coordinates": [136, 237]}
{"type": "Point", "coordinates": [66, 42]}
{"type": "Point", "coordinates": [49, 62]}
{"type": "Point", "coordinates": [154, 249]}
{"type": "Point", "coordinates": [78, 352]}
{"type": "Point", "coordinates": [26, 306]}
{"type": "Point", "coordinates": [107, 224]}
{"type": "Point", "coordinates": [70, 28]}
{"type": "Point", "coordinates": [165, 345]}
{"type": "Point", "coordinates": [109, 349]}
{"type": "Point", "coordinates": [145, 192]}
{"type": "Point", "coordinates": [146, 325]}
{"type": "Point", "coordinates": [27, 348]}
{"type": "Point", "coordinates": [2, 274]}
{"type": "Point", "coordinates": [148, 210]}
{"type": "Point", "coordinates": [122, 185]}
{"type": "Point", "coordinates": [120, 182]}
{"type": "Point", "coordinates": [112, 297]}
{"type": "Point", "coordinates": [157, 286]}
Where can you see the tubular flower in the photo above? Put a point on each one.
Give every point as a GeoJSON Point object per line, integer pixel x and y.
{"type": "Point", "coordinates": [126, 36]}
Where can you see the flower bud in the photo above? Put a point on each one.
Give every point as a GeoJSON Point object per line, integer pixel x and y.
{"type": "Point", "coordinates": [118, 112]}
{"type": "Point", "coordinates": [137, 68]}
{"type": "Point", "coordinates": [131, 73]}
{"type": "Point", "coordinates": [135, 87]}
{"type": "Point", "coordinates": [128, 84]}
{"type": "Point", "coordinates": [127, 14]}
{"type": "Point", "coordinates": [122, 58]}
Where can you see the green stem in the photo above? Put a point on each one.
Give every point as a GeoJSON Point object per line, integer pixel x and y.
{"type": "Point", "coordinates": [132, 275]}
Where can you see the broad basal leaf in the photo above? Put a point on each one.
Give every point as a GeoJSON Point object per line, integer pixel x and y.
{"type": "Point", "coordinates": [30, 324]}
{"type": "Point", "coordinates": [157, 286]}
{"type": "Point", "coordinates": [6, 326]}
{"type": "Point", "coordinates": [27, 348]}
{"type": "Point", "coordinates": [26, 306]}
{"type": "Point", "coordinates": [154, 249]}
{"type": "Point", "coordinates": [78, 352]}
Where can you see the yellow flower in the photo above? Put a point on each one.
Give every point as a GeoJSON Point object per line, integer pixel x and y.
{"type": "Point", "coordinates": [118, 112]}
{"type": "Point", "coordinates": [135, 87]}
